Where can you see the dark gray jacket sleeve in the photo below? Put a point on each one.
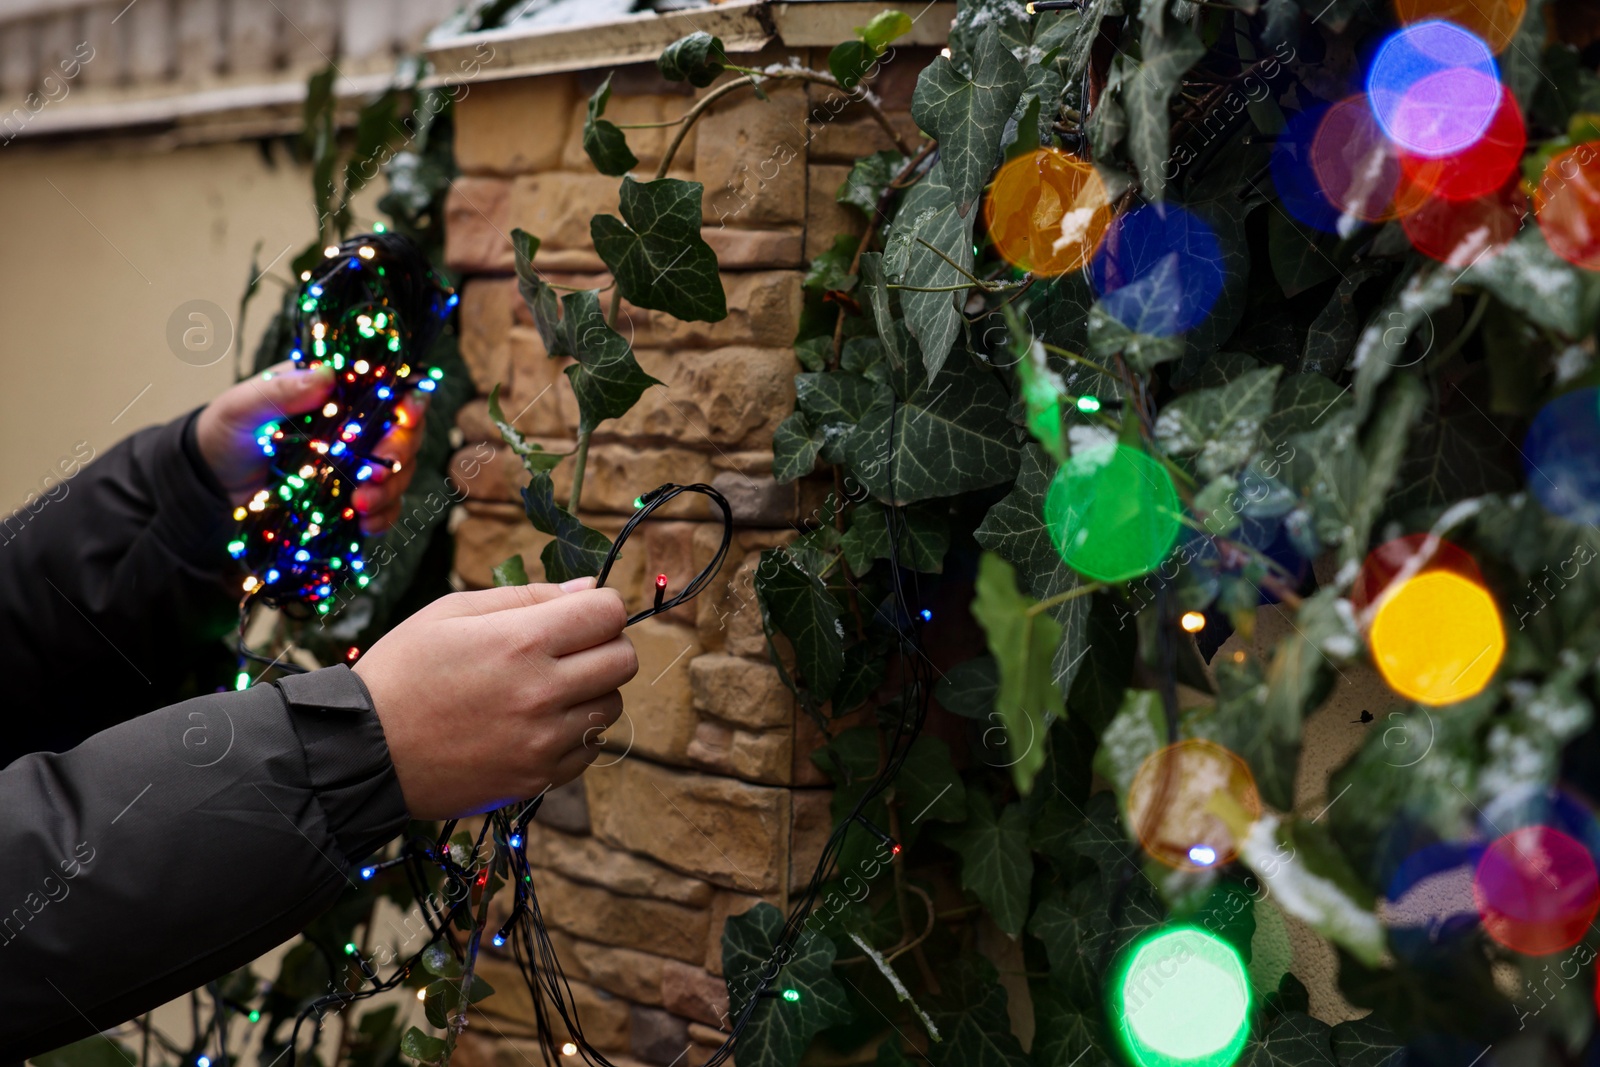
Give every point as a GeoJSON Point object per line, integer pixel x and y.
{"type": "Point", "coordinates": [167, 850]}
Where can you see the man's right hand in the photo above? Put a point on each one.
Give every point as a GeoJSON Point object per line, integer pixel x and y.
{"type": "Point", "coordinates": [487, 698]}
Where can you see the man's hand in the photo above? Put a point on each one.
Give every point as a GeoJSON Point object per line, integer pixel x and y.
{"type": "Point", "coordinates": [491, 697]}
{"type": "Point", "coordinates": [226, 432]}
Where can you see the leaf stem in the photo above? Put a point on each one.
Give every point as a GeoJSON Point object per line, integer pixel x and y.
{"type": "Point", "coordinates": [1085, 360]}
{"type": "Point", "coordinates": [819, 78]}
{"type": "Point", "coordinates": [580, 459]}
{"type": "Point", "coordinates": [688, 119]}
{"type": "Point", "coordinates": [977, 281]}
{"type": "Point", "coordinates": [1069, 595]}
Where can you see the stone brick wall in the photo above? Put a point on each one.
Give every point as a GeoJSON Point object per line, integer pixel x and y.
{"type": "Point", "coordinates": [707, 801]}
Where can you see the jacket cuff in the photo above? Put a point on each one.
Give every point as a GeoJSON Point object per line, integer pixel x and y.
{"type": "Point", "coordinates": [193, 516]}
{"type": "Point", "coordinates": [347, 758]}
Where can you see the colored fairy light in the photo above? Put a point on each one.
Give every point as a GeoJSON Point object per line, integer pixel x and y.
{"type": "Point", "coordinates": [792, 996]}
{"type": "Point", "coordinates": [638, 502]}
{"type": "Point", "coordinates": [1437, 637]}
{"type": "Point", "coordinates": [1482, 167]}
{"type": "Point", "coordinates": [1495, 21]}
{"type": "Point", "coordinates": [499, 940]}
{"type": "Point", "coordinates": [202, 1061]}
{"type": "Point", "coordinates": [1046, 212]}
{"type": "Point", "coordinates": [1558, 456]}
{"type": "Point", "coordinates": [1193, 621]}
{"type": "Point", "coordinates": [1459, 233]}
{"type": "Point", "coordinates": [422, 994]}
{"type": "Point", "coordinates": [926, 615]}
{"type": "Point", "coordinates": [242, 680]}
{"type": "Point", "coordinates": [1088, 404]}
{"type": "Point", "coordinates": [1159, 270]}
{"type": "Point", "coordinates": [368, 872]}
{"type": "Point", "coordinates": [350, 948]}
{"type": "Point", "coordinates": [254, 1016]}
{"type": "Point", "coordinates": [661, 581]}
{"type": "Point", "coordinates": [1566, 202]}
{"type": "Point", "coordinates": [1434, 88]}
{"type": "Point", "coordinates": [1171, 797]}
{"type": "Point", "coordinates": [1356, 167]}
{"type": "Point", "coordinates": [569, 1049]}
{"type": "Point", "coordinates": [1112, 512]}
{"type": "Point", "coordinates": [1536, 890]}
{"type": "Point", "coordinates": [516, 841]}
{"type": "Point", "coordinates": [1181, 998]}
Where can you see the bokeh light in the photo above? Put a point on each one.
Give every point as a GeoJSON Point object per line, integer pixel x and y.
{"type": "Point", "coordinates": [1495, 21]}
{"type": "Point", "coordinates": [1112, 512]}
{"type": "Point", "coordinates": [1169, 803]}
{"type": "Point", "coordinates": [1047, 211]}
{"type": "Point", "coordinates": [1567, 204]}
{"type": "Point", "coordinates": [1461, 233]}
{"type": "Point", "coordinates": [1559, 455]}
{"type": "Point", "coordinates": [1356, 166]}
{"type": "Point", "coordinates": [1182, 999]}
{"type": "Point", "coordinates": [1394, 561]}
{"type": "Point", "coordinates": [1159, 270]}
{"type": "Point", "coordinates": [1482, 167]}
{"type": "Point", "coordinates": [1294, 177]}
{"type": "Point", "coordinates": [1437, 637]}
{"type": "Point", "coordinates": [1434, 88]}
{"type": "Point", "coordinates": [1536, 890]}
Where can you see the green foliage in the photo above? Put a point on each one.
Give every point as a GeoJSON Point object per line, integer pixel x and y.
{"type": "Point", "coordinates": [696, 59]}
{"type": "Point", "coordinates": [605, 144]}
{"type": "Point", "coordinates": [1022, 640]}
{"type": "Point", "coordinates": [577, 550]}
{"type": "Point", "coordinates": [780, 1029]}
{"type": "Point", "coordinates": [655, 252]}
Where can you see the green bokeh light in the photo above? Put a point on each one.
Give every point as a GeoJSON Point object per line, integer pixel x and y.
{"type": "Point", "coordinates": [1182, 999]}
{"type": "Point", "coordinates": [1112, 512]}
{"type": "Point", "coordinates": [791, 995]}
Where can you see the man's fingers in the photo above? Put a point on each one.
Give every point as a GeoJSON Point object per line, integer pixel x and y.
{"type": "Point", "coordinates": [591, 718]}
{"type": "Point", "coordinates": [282, 390]}
{"type": "Point", "coordinates": [506, 598]}
{"type": "Point", "coordinates": [583, 620]}
{"type": "Point", "coordinates": [594, 672]}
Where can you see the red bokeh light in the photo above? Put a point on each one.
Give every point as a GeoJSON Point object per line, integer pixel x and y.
{"type": "Point", "coordinates": [1458, 233]}
{"type": "Point", "coordinates": [1567, 203]}
{"type": "Point", "coordinates": [1479, 170]}
{"type": "Point", "coordinates": [1536, 890]}
{"type": "Point", "coordinates": [1386, 562]}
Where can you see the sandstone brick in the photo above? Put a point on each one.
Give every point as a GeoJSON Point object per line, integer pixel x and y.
{"type": "Point", "coordinates": [728, 397]}
{"type": "Point", "coordinates": [583, 859]}
{"type": "Point", "coordinates": [694, 993]}
{"type": "Point", "coordinates": [513, 126]}
{"type": "Point", "coordinates": [658, 1037]}
{"type": "Point", "coordinates": [855, 134]}
{"type": "Point", "coordinates": [728, 616]}
{"type": "Point", "coordinates": [669, 548]}
{"type": "Point", "coordinates": [490, 534]}
{"type": "Point", "coordinates": [757, 499]}
{"type": "Point", "coordinates": [625, 109]}
{"type": "Point", "coordinates": [509, 1012]}
{"type": "Point", "coordinates": [556, 207]}
{"type": "Point", "coordinates": [538, 398]}
{"type": "Point", "coordinates": [738, 249]}
{"type": "Point", "coordinates": [658, 711]}
{"type": "Point", "coordinates": [826, 218]}
{"type": "Point", "coordinates": [808, 738]}
{"type": "Point", "coordinates": [724, 904]}
{"type": "Point", "coordinates": [628, 973]}
{"type": "Point", "coordinates": [751, 157]}
{"type": "Point", "coordinates": [591, 913]}
{"type": "Point", "coordinates": [812, 823]}
{"type": "Point", "coordinates": [727, 832]}
{"type": "Point", "coordinates": [763, 310]}
{"type": "Point", "coordinates": [490, 473]}
{"type": "Point", "coordinates": [751, 756]}
{"type": "Point", "coordinates": [618, 473]}
{"type": "Point", "coordinates": [741, 691]}
{"type": "Point", "coordinates": [486, 317]}
{"type": "Point", "coordinates": [477, 226]}
{"type": "Point", "coordinates": [701, 1034]}
{"type": "Point", "coordinates": [566, 808]}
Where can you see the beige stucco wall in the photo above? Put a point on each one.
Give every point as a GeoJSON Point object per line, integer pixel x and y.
{"type": "Point", "coordinates": [99, 244]}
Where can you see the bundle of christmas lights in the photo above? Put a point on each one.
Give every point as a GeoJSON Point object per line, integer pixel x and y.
{"type": "Point", "coordinates": [370, 311]}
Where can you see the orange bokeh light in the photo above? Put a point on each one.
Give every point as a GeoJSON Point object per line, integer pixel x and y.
{"type": "Point", "coordinates": [1181, 779]}
{"type": "Point", "coordinates": [1567, 203]}
{"type": "Point", "coordinates": [1495, 21]}
{"type": "Point", "coordinates": [1437, 638]}
{"type": "Point", "coordinates": [1047, 212]}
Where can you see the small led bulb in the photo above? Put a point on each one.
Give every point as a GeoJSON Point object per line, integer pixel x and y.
{"type": "Point", "coordinates": [331, 251]}
{"type": "Point", "coordinates": [330, 409]}
{"type": "Point", "coordinates": [365, 252]}
{"type": "Point", "coordinates": [1193, 622]}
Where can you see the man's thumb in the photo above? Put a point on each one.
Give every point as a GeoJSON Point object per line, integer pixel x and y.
{"type": "Point", "coordinates": [287, 392]}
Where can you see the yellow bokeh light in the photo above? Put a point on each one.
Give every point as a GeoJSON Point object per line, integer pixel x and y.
{"type": "Point", "coordinates": [1495, 21]}
{"type": "Point", "coordinates": [1170, 803]}
{"type": "Point", "coordinates": [1193, 621]}
{"type": "Point", "coordinates": [1437, 638]}
{"type": "Point", "coordinates": [1047, 212]}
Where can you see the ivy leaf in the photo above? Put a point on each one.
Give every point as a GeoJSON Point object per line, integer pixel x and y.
{"type": "Point", "coordinates": [968, 689]}
{"type": "Point", "coordinates": [444, 998]}
{"type": "Point", "coordinates": [849, 62]}
{"type": "Point", "coordinates": [950, 436]}
{"type": "Point", "coordinates": [794, 448]}
{"type": "Point", "coordinates": [878, 301]}
{"type": "Point", "coordinates": [510, 571]}
{"type": "Point", "coordinates": [577, 551]}
{"type": "Point", "coordinates": [996, 864]}
{"type": "Point", "coordinates": [1399, 334]}
{"type": "Point", "coordinates": [1166, 55]}
{"type": "Point", "coordinates": [1084, 927]}
{"type": "Point", "coordinates": [967, 115]}
{"type": "Point", "coordinates": [1297, 1040]}
{"type": "Point", "coordinates": [655, 251]}
{"type": "Point", "coordinates": [417, 1045]}
{"type": "Point", "coordinates": [1332, 334]}
{"type": "Point", "coordinates": [1066, 1037]}
{"type": "Point", "coordinates": [868, 178]}
{"type": "Point", "coordinates": [1298, 404]}
{"type": "Point", "coordinates": [1527, 276]}
{"type": "Point", "coordinates": [884, 27]}
{"type": "Point", "coordinates": [1220, 426]}
{"type": "Point", "coordinates": [779, 1030]}
{"type": "Point", "coordinates": [540, 297]}
{"type": "Point", "coordinates": [1366, 1042]}
{"type": "Point", "coordinates": [835, 403]}
{"type": "Point", "coordinates": [830, 270]}
{"type": "Point", "coordinates": [533, 455]}
{"type": "Point", "coordinates": [1023, 642]}
{"type": "Point", "coordinates": [605, 144]}
{"type": "Point", "coordinates": [924, 539]}
{"type": "Point", "coordinates": [972, 1020]}
{"type": "Point", "coordinates": [697, 59]}
{"type": "Point", "coordinates": [930, 246]}
{"type": "Point", "coordinates": [440, 962]}
{"type": "Point", "coordinates": [1135, 733]}
{"type": "Point", "coordinates": [801, 607]}
{"type": "Point", "coordinates": [607, 379]}
{"type": "Point", "coordinates": [1139, 339]}
{"type": "Point", "coordinates": [929, 785]}
{"type": "Point", "coordinates": [1311, 881]}
{"type": "Point", "coordinates": [1298, 261]}
{"type": "Point", "coordinates": [1014, 529]}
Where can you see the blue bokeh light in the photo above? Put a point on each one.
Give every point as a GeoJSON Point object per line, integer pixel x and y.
{"type": "Point", "coordinates": [1434, 88]}
{"type": "Point", "coordinates": [1159, 270]}
{"type": "Point", "coordinates": [1559, 456]}
{"type": "Point", "coordinates": [1296, 181]}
